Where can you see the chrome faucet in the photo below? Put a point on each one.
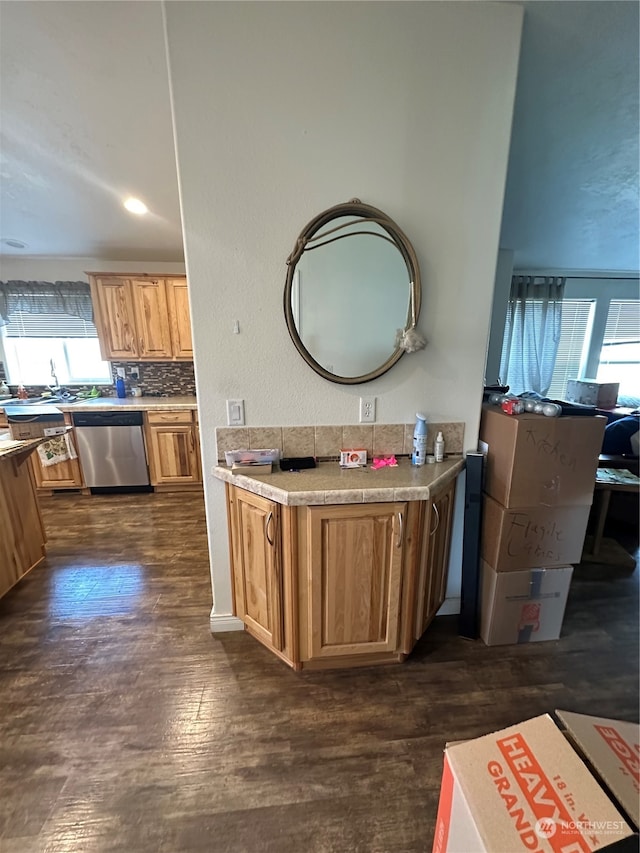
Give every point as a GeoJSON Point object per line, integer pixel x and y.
{"type": "Point", "coordinates": [56, 385]}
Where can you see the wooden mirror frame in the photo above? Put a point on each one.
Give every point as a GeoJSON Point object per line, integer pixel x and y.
{"type": "Point", "coordinates": [356, 208]}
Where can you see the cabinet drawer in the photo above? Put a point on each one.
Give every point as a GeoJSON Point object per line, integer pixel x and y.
{"type": "Point", "coordinates": [170, 417]}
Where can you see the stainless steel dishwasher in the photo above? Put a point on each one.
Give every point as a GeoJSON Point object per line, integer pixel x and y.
{"type": "Point", "coordinates": [111, 450]}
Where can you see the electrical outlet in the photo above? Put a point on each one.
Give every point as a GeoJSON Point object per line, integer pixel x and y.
{"type": "Point", "coordinates": [367, 410]}
{"type": "Point", "coordinates": [235, 412]}
{"type": "Point", "coordinates": [120, 372]}
{"type": "Point", "coordinates": [134, 373]}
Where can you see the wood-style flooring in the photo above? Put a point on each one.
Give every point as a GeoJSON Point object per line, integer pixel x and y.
{"type": "Point", "coordinates": [126, 726]}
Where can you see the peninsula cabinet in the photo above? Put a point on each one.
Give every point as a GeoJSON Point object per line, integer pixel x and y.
{"type": "Point", "coordinates": [338, 585]}
{"type": "Point", "coordinates": [173, 453]}
{"type": "Point", "coordinates": [141, 317]}
{"type": "Point", "coordinates": [22, 536]}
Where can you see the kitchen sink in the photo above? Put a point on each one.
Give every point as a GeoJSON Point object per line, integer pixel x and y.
{"type": "Point", "coordinates": [39, 401]}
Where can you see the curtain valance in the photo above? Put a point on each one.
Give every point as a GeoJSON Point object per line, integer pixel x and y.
{"type": "Point", "coordinates": [45, 297]}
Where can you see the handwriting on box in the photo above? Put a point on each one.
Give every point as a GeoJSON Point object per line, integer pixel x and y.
{"type": "Point", "coordinates": [544, 446]}
{"type": "Point", "coordinates": [538, 540]}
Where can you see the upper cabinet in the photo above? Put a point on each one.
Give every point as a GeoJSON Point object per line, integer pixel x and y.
{"type": "Point", "coordinates": [142, 317]}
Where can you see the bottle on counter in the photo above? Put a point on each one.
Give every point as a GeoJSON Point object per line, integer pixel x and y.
{"type": "Point", "coordinates": [121, 391]}
{"type": "Point", "coordinates": [438, 447]}
{"type": "Point", "coordinates": [4, 389]}
{"type": "Point", "coordinates": [22, 392]}
{"type": "Point", "coordinates": [419, 454]}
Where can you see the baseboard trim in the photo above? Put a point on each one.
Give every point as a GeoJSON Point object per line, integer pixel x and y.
{"type": "Point", "coordinates": [450, 607]}
{"type": "Point", "coordinates": [221, 622]}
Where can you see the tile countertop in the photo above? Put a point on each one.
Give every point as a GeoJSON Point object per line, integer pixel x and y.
{"type": "Point", "coordinates": [108, 404]}
{"type": "Point", "coordinates": [330, 484]}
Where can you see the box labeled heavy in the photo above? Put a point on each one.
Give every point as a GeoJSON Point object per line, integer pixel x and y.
{"type": "Point", "coordinates": [532, 459]}
{"type": "Point", "coordinates": [527, 788]}
{"type": "Point", "coordinates": [523, 607]}
{"type": "Point", "coordinates": [590, 392]}
{"type": "Point", "coordinates": [34, 421]}
{"type": "Point", "coordinates": [528, 537]}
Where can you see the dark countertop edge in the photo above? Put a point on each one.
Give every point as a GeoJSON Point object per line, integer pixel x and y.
{"type": "Point", "coordinates": [25, 446]}
{"type": "Point", "coordinates": [264, 486]}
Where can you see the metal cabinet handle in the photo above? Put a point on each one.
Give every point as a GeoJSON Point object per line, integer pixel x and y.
{"type": "Point", "coordinates": [400, 530]}
{"type": "Point", "coordinates": [266, 527]}
{"type": "Point", "coordinates": [437, 512]}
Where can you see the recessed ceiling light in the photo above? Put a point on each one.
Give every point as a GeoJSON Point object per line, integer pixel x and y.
{"type": "Point", "coordinates": [15, 244]}
{"type": "Point", "coordinates": [134, 205]}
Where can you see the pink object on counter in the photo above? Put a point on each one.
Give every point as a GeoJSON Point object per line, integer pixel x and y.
{"type": "Point", "coordinates": [382, 462]}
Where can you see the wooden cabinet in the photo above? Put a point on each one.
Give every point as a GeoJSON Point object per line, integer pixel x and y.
{"type": "Point", "coordinates": [434, 559]}
{"type": "Point", "coordinates": [141, 317]}
{"type": "Point", "coordinates": [257, 579]}
{"type": "Point", "coordinates": [114, 318]}
{"type": "Point", "coordinates": [151, 319]}
{"type": "Point", "coordinates": [353, 557]}
{"type": "Point", "coordinates": [179, 317]}
{"type": "Point", "coordinates": [62, 475]}
{"type": "Point", "coordinates": [339, 585]}
{"type": "Point", "coordinates": [22, 536]}
{"type": "Point", "coordinates": [172, 448]}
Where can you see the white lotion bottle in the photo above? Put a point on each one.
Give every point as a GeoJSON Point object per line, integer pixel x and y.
{"type": "Point", "coordinates": [438, 448]}
{"type": "Point", "coordinates": [419, 455]}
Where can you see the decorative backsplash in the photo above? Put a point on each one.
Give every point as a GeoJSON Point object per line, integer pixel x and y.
{"type": "Point", "coordinates": [171, 379]}
{"type": "Point", "coordinates": [326, 442]}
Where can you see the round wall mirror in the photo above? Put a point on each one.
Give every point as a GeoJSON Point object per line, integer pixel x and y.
{"type": "Point", "coordinates": [352, 289]}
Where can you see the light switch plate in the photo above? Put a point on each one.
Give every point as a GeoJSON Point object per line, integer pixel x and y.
{"type": "Point", "coordinates": [235, 412]}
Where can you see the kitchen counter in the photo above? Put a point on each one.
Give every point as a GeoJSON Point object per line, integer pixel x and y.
{"type": "Point", "coordinates": [330, 484]}
{"type": "Point", "coordinates": [108, 404]}
{"type": "Point", "coordinates": [10, 447]}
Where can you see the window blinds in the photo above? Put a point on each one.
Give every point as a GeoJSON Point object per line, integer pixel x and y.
{"type": "Point", "coordinates": [27, 325]}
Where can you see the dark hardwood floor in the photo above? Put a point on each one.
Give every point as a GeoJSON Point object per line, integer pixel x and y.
{"type": "Point", "coordinates": [126, 726]}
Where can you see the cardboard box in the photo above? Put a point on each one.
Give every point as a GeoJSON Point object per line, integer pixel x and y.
{"type": "Point", "coordinates": [34, 421]}
{"type": "Point", "coordinates": [528, 537]}
{"type": "Point", "coordinates": [523, 607]}
{"type": "Point", "coordinates": [531, 459]}
{"type": "Point", "coordinates": [590, 392]}
{"type": "Point", "coordinates": [527, 788]}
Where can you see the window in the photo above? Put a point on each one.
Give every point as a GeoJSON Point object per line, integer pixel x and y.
{"type": "Point", "coordinates": [620, 353]}
{"type": "Point", "coordinates": [573, 349]}
{"type": "Point", "coordinates": [31, 341]}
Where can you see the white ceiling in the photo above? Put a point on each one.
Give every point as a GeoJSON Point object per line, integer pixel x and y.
{"type": "Point", "coordinates": [85, 121]}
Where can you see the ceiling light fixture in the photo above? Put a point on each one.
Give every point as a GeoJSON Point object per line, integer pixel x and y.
{"type": "Point", "coordinates": [134, 205]}
{"type": "Point", "coordinates": [15, 244]}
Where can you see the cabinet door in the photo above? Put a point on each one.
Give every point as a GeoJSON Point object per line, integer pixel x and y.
{"type": "Point", "coordinates": [179, 317]}
{"type": "Point", "coordinates": [63, 475]}
{"type": "Point", "coordinates": [255, 549]}
{"type": "Point", "coordinates": [172, 454]}
{"type": "Point", "coordinates": [152, 319]}
{"type": "Point", "coordinates": [434, 559]}
{"type": "Point", "coordinates": [114, 317]}
{"type": "Point", "coordinates": [22, 536]}
{"type": "Point", "coordinates": [354, 568]}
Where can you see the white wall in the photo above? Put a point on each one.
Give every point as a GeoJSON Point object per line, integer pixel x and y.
{"type": "Point", "coordinates": [284, 109]}
{"type": "Point", "coordinates": [73, 269]}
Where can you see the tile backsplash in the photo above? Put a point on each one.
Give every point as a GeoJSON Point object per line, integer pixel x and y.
{"type": "Point", "coordinates": [173, 378]}
{"type": "Point", "coordinates": [326, 442]}
{"type": "Point", "coordinates": [170, 378]}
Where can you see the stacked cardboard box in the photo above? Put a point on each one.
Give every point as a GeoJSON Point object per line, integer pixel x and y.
{"type": "Point", "coordinates": [538, 489]}
{"type": "Point", "coordinates": [564, 786]}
